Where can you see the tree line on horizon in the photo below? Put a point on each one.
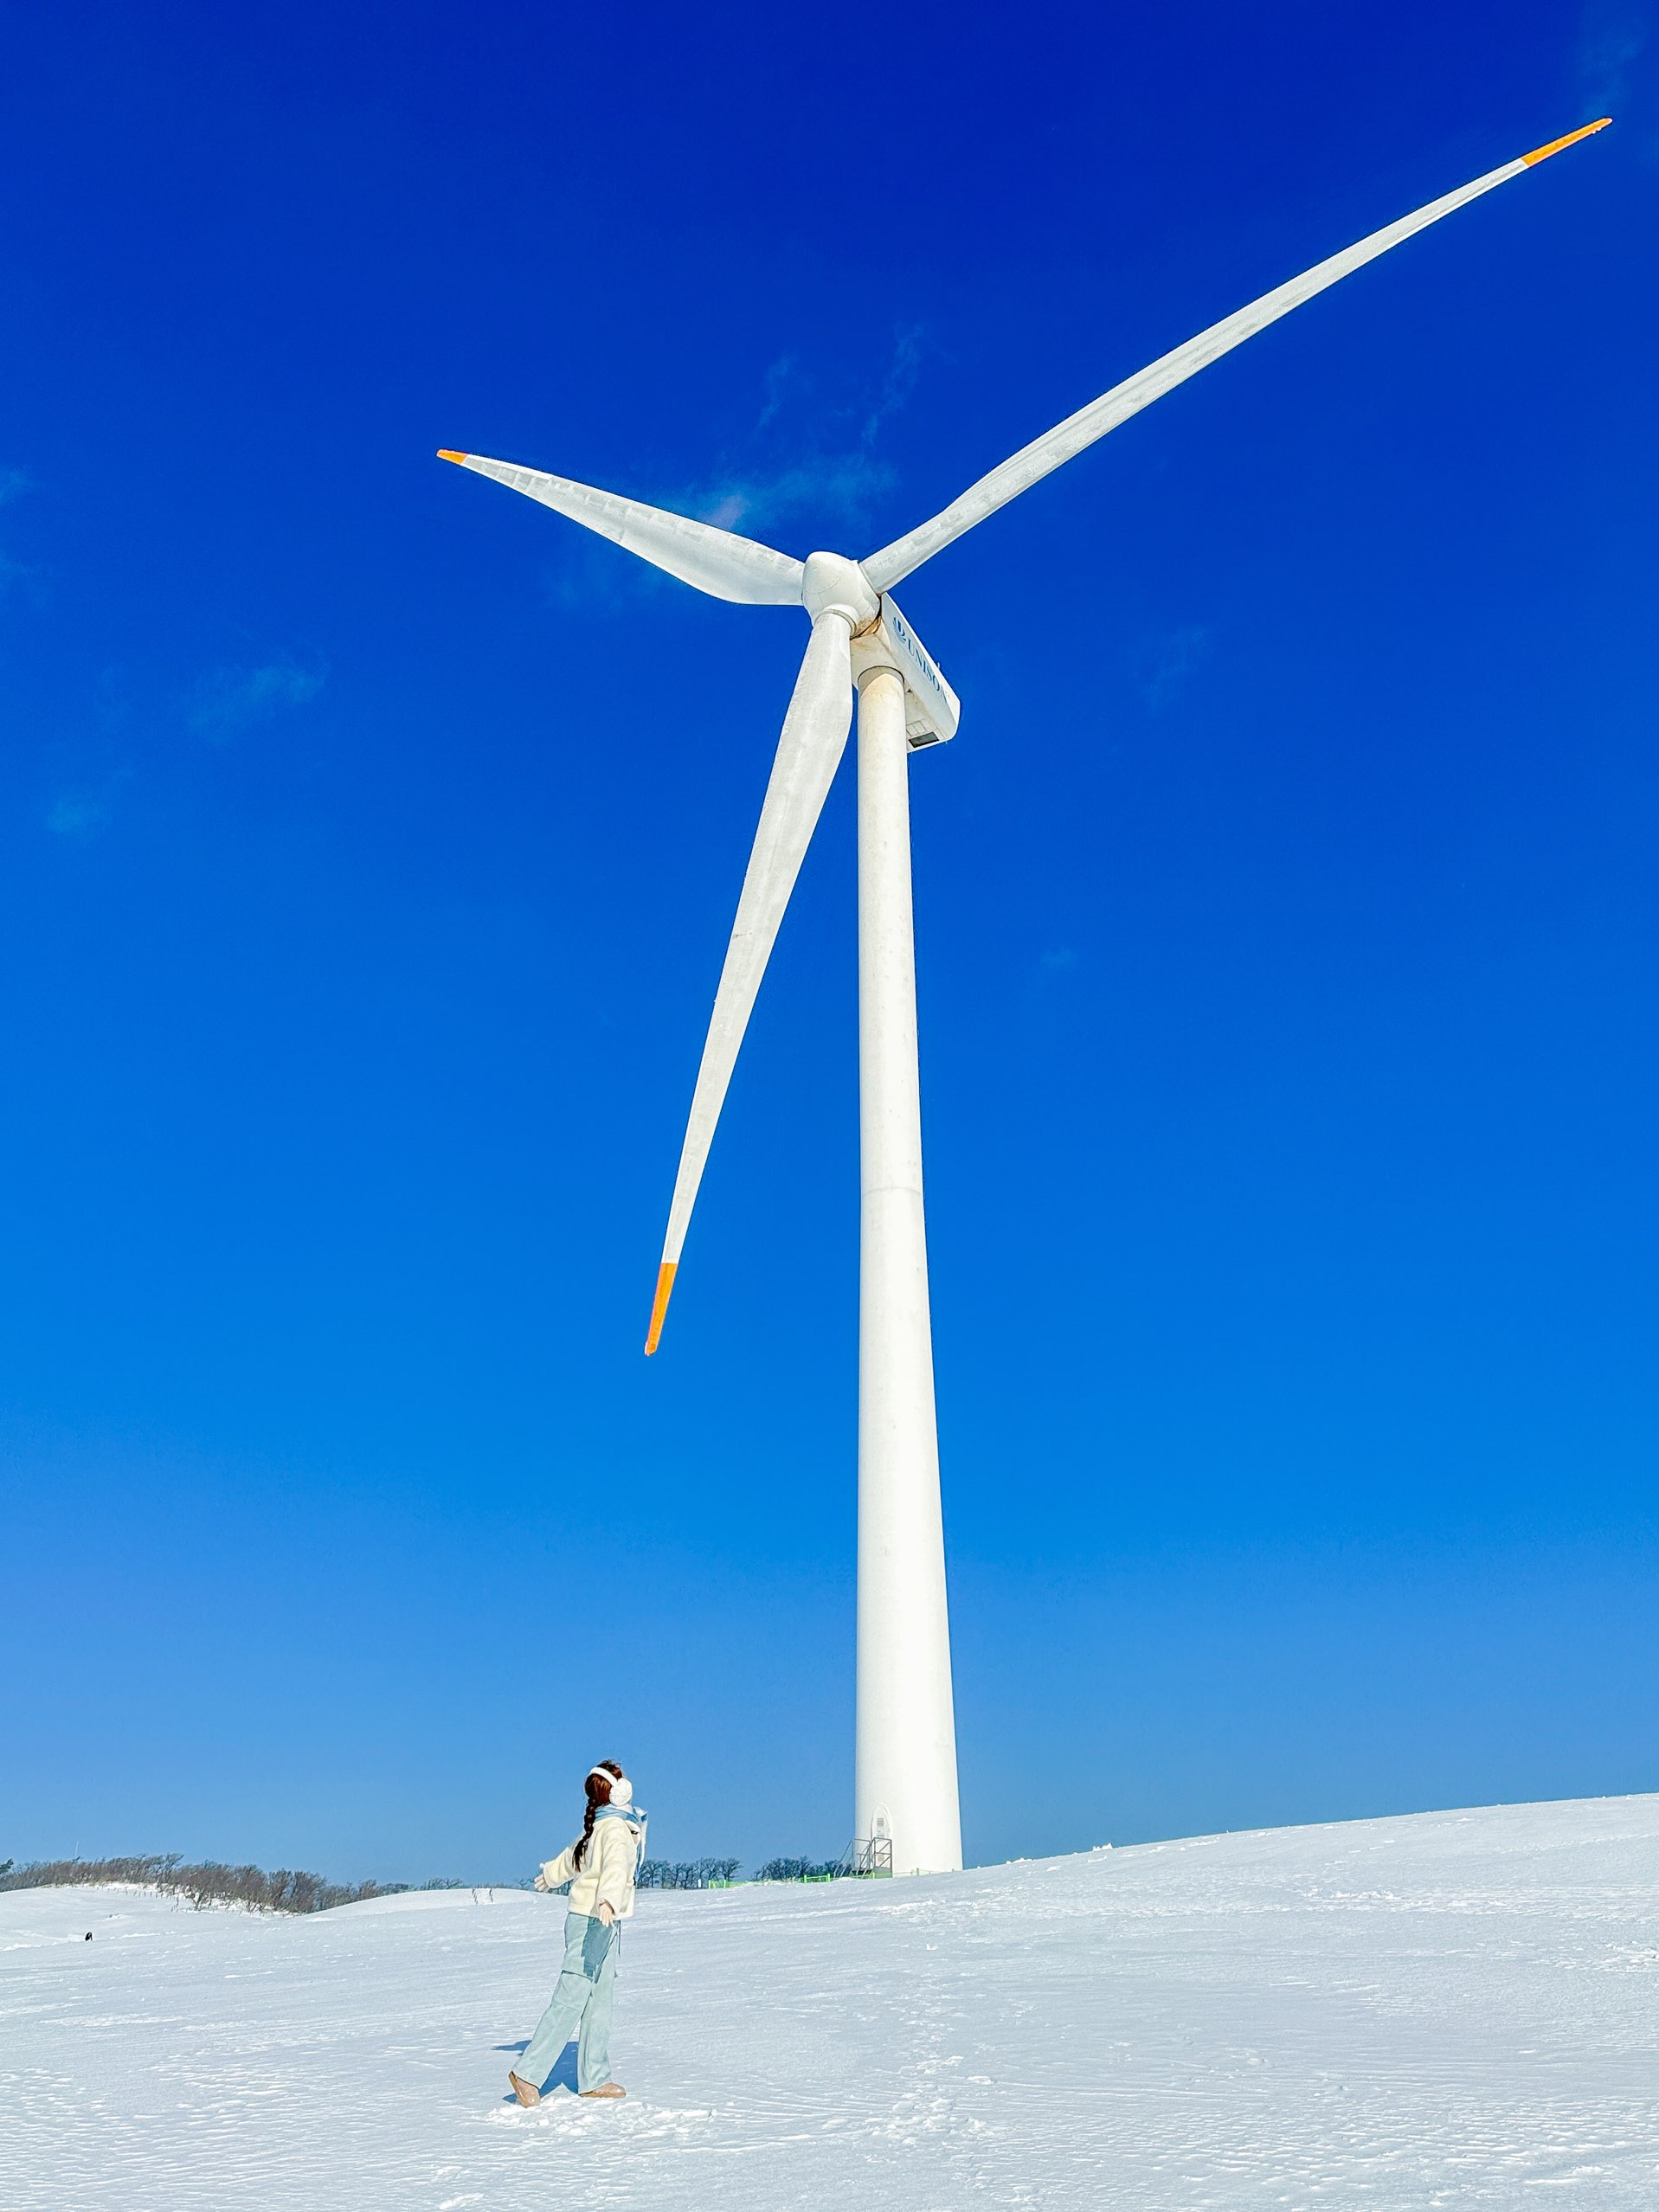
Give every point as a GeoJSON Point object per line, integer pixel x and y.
{"type": "Point", "coordinates": [210, 1881]}
{"type": "Point", "coordinates": [710, 1873]}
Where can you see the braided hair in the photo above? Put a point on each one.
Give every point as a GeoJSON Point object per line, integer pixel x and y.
{"type": "Point", "coordinates": [599, 1793]}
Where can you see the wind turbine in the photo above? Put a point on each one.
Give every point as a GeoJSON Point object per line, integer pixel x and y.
{"type": "Point", "coordinates": [906, 1783]}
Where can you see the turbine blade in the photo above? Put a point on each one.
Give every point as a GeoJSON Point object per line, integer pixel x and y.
{"type": "Point", "coordinates": [715, 561]}
{"type": "Point", "coordinates": [905, 555]}
{"type": "Point", "coordinates": [809, 752]}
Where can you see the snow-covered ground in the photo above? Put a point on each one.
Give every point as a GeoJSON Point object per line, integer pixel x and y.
{"type": "Point", "coordinates": [1455, 2009]}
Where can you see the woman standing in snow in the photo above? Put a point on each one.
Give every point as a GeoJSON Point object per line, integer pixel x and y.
{"type": "Point", "coordinates": [600, 1866]}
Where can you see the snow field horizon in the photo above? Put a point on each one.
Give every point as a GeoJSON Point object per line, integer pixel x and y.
{"type": "Point", "coordinates": [1451, 2008]}
{"type": "Point", "coordinates": [187, 1893]}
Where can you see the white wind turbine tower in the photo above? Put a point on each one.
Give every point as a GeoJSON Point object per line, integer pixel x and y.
{"type": "Point", "coordinates": [906, 1785]}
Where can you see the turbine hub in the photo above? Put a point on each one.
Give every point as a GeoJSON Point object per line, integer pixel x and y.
{"type": "Point", "coordinates": [831, 584]}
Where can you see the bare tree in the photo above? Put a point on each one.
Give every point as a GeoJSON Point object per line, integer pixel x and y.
{"type": "Point", "coordinates": [206, 1884]}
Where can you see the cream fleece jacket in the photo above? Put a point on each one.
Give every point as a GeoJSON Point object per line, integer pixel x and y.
{"type": "Point", "coordinates": [605, 1875]}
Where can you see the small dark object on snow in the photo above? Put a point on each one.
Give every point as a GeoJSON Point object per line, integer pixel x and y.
{"type": "Point", "coordinates": [89, 1935]}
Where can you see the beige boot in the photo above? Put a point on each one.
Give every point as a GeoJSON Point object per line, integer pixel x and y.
{"type": "Point", "coordinates": [607, 2089]}
{"type": "Point", "coordinates": [526, 2092]}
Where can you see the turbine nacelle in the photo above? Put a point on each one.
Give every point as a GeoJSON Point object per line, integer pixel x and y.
{"type": "Point", "coordinates": [932, 710]}
{"type": "Point", "coordinates": [831, 584]}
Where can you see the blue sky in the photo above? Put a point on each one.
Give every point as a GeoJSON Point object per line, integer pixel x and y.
{"type": "Point", "coordinates": [1286, 921]}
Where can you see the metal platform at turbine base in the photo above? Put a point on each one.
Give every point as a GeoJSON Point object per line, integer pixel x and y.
{"type": "Point", "coordinates": [874, 1855]}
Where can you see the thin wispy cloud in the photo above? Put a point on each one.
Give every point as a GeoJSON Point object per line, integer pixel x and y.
{"type": "Point", "coordinates": [229, 699]}
{"type": "Point", "coordinates": [805, 454]}
{"type": "Point", "coordinates": [1610, 39]}
{"type": "Point", "coordinates": [1170, 664]}
{"type": "Point", "coordinates": [14, 482]}
{"type": "Point", "coordinates": [844, 485]}
{"type": "Point", "coordinates": [828, 468]}
{"type": "Point", "coordinates": [778, 379]}
{"type": "Point", "coordinates": [74, 815]}
{"type": "Point", "coordinates": [899, 383]}
{"type": "Point", "coordinates": [84, 804]}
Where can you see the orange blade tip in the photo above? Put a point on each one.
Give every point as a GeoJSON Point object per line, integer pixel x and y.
{"type": "Point", "coordinates": [1543, 153]}
{"type": "Point", "coordinates": [659, 1304]}
{"type": "Point", "coordinates": [444, 452]}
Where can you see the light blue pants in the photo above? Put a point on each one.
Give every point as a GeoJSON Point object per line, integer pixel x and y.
{"type": "Point", "coordinates": [582, 1998]}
